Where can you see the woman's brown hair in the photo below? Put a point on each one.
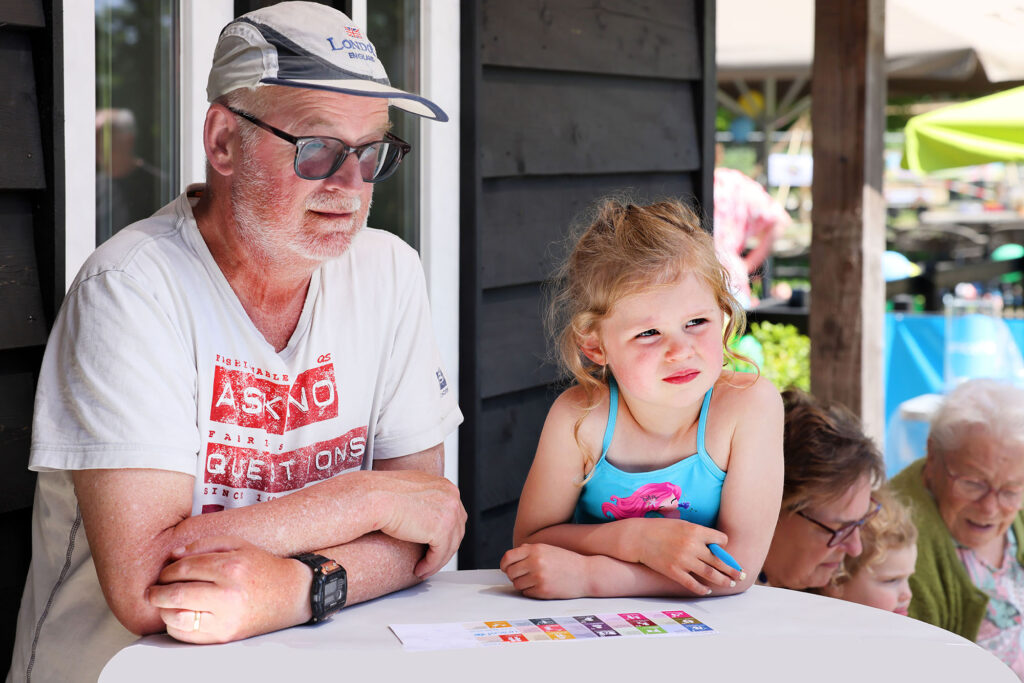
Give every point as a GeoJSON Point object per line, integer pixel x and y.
{"type": "Point", "coordinates": [826, 452]}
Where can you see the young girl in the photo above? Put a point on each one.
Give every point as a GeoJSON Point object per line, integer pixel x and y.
{"type": "Point", "coordinates": [656, 451]}
{"type": "Point", "coordinates": [879, 576]}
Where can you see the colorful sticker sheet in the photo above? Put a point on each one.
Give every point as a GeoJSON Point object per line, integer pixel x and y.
{"type": "Point", "coordinates": [497, 632]}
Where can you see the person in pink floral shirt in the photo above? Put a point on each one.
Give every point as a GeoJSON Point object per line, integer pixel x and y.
{"type": "Point", "coordinates": [744, 211]}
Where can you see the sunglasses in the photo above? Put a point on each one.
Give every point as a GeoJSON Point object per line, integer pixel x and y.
{"type": "Point", "coordinates": [318, 157]}
{"type": "Point", "coordinates": [844, 532]}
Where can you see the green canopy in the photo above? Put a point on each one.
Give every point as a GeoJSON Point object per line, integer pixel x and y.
{"type": "Point", "coordinates": [986, 129]}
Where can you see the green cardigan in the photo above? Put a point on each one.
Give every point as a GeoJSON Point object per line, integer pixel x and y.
{"type": "Point", "coordinates": [943, 592]}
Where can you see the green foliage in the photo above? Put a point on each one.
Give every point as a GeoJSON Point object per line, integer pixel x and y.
{"type": "Point", "coordinates": [787, 355]}
{"type": "Point", "coordinates": [748, 347]}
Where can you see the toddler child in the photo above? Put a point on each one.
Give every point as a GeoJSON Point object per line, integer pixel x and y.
{"type": "Point", "coordinates": [879, 576]}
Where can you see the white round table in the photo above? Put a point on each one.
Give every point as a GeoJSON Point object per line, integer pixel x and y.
{"type": "Point", "coordinates": [765, 634]}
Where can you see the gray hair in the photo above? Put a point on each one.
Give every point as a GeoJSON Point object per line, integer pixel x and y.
{"type": "Point", "coordinates": [255, 101]}
{"type": "Point", "coordinates": [993, 407]}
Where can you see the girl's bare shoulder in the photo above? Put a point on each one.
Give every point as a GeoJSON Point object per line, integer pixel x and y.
{"type": "Point", "coordinates": [575, 403]}
{"type": "Point", "coordinates": [739, 393]}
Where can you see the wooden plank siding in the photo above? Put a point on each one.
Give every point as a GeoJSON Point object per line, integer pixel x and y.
{"type": "Point", "coordinates": [524, 237]}
{"type": "Point", "coordinates": [562, 104]}
{"type": "Point", "coordinates": [22, 13]}
{"type": "Point", "coordinates": [30, 142]}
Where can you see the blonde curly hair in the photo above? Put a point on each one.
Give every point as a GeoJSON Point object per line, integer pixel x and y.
{"type": "Point", "coordinates": [627, 249]}
{"type": "Point", "coordinates": [891, 529]}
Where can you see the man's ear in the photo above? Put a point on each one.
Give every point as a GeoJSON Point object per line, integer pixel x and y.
{"type": "Point", "coordinates": [590, 345]}
{"type": "Point", "coordinates": [220, 139]}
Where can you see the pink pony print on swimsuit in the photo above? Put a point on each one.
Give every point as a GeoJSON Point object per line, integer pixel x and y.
{"type": "Point", "coordinates": [663, 498]}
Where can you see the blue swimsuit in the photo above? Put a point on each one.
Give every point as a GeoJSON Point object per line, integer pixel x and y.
{"type": "Point", "coordinates": [689, 489]}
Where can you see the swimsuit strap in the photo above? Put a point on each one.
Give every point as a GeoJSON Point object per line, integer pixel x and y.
{"type": "Point", "coordinates": [613, 411]}
{"type": "Point", "coordinates": [703, 420]}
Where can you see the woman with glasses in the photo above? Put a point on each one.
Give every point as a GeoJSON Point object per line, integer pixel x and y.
{"type": "Point", "coordinates": [831, 469]}
{"type": "Point", "coordinates": [966, 495]}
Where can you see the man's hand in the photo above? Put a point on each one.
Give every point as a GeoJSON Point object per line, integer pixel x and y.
{"type": "Point", "coordinates": [679, 550]}
{"type": "Point", "coordinates": [237, 590]}
{"type": "Point", "coordinates": [423, 508]}
{"type": "Point", "coordinates": [546, 571]}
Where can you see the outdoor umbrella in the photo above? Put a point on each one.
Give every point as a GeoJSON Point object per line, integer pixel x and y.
{"type": "Point", "coordinates": [976, 132]}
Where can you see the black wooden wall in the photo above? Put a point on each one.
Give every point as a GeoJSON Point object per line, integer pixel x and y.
{"type": "Point", "coordinates": [31, 276]}
{"type": "Point", "coordinates": [562, 103]}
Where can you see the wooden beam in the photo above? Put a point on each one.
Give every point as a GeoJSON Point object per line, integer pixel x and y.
{"type": "Point", "coordinates": [848, 294]}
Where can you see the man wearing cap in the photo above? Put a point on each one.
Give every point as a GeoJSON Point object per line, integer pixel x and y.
{"type": "Point", "coordinates": [241, 411]}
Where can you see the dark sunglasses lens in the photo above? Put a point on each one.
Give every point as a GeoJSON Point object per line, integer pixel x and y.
{"type": "Point", "coordinates": [317, 158]}
{"type": "Point", "coordinates": [379, 160]}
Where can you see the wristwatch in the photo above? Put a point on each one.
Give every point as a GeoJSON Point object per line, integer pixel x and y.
{"type": "Point", "coordinates": [329, 589]}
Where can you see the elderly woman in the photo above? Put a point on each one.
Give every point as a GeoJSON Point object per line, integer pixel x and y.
{"type": "Point", "coordinates": [831, 469]}
{"type": "Point", "coordinates": [966, 494]}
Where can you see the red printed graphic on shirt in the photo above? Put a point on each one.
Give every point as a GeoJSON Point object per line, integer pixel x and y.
{"type": "Point", "coordinates": [255, 458]}
{"type": "Point", "coordinates": [239, 467]}
{"type": "Point", "coordinates": [250, 399]}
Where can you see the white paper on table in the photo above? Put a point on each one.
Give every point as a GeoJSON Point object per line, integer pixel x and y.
{"type": "Point", "coordinates": [495, 632]}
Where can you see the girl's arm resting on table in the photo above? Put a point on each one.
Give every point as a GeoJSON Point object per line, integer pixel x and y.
{"type": "Point", "coordinates": [671, 547]}
{"type": "Point", "coordinates": [674, 548]}
{"type": "Point", "coordinates": [549, 572]}
{"type": "Point", "coordinates": [752, 492]}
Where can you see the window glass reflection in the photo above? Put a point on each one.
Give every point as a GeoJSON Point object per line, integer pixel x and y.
{"type": "Point", "coordinates": [136, 110]}
{"type": "Point", "coordinates": [394, 28]}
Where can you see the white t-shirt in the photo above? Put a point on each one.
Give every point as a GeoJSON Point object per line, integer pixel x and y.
{"type": "Point", "coordinates": [154, 363]}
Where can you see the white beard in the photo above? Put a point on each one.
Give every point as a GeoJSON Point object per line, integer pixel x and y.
{"type": "Point", "coordinates": [273, 234]}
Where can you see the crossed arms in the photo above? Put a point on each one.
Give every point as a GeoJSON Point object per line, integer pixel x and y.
{"type": "Point", "coordinates": [158, 565]}
{"type": "Point", "coordinates": [554, 558]}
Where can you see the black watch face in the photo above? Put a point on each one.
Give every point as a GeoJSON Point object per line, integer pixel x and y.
{"type": "Point", "coordinates": [334, 590]}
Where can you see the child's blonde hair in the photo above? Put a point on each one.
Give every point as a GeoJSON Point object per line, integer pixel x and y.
{"type": "Point", "coordinates": [627, 249]}
{"type": "Point", "coordinates": [891, 529]}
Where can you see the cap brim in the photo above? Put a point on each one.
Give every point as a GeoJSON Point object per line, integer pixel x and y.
{"type": "Point", "coordinates": [414, 104]}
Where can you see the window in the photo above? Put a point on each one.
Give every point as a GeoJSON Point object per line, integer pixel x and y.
{"type": "Point", "coordinates": [394, 28]}
{"type": "Point", "coordinates": [136, 110]}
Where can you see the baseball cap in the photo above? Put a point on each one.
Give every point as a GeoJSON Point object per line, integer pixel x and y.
{"type": "Point", "coordinates": [305, 45]}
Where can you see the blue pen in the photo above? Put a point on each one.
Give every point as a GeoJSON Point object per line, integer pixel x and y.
{"type": "Point", "coordinates": [719, 552]}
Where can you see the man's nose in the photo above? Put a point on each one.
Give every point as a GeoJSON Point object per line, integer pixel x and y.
{"type": "Point", "coordinates": [348, 176]}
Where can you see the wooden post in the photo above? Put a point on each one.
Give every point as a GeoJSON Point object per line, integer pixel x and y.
{"type": "Point", "coordinates": [847, 291]}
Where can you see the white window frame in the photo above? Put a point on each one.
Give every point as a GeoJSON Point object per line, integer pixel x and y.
{"type": "Point", "coordinates": [79, 68]}
{"type": "Point", "coordinates": [200, 24]}
{"type": "Point", "coordinates": [439, 189]}
{"type": "Point", "coordinates": [438, 158]}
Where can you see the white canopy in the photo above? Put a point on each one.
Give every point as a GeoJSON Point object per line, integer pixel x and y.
{"type": "Point", "coordinates": [923, 38]}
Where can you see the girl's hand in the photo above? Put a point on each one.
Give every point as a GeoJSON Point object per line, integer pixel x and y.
{"type": "Point", "coordinates": [546, 571]}
{"type": "Point", "coordinates": [679, 550]}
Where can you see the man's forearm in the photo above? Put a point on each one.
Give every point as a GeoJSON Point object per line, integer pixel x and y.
{"type": "Point", "coordinates": [158, 543]}
{"type": "Point", "coordinates": [331, 513]}
{"type": "Point", "coordinates": [376, 565]}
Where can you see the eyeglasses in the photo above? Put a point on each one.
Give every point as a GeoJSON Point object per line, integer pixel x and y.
{"type": "Point", "coordinates": [974, 490]}
{"type": "Point", "coordinates": [318, 157]}
{"type": "Point", "coordinates": [844, 532]}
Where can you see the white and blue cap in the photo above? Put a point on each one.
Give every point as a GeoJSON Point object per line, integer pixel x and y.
{"type": "Point", "coordinates": [305, 45]}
